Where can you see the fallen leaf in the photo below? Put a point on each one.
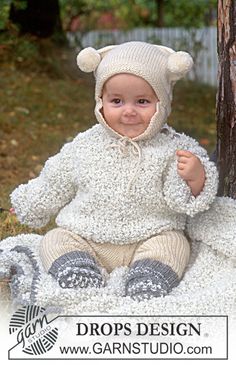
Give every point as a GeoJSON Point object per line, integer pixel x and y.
{"type": "Point", "coordinates": [204, 141]}
{"type": "Point", "coordinates": [34, 158]}
{"type": "Point", "coordinates": [22, 110]}
{"type": "Point", "coordinates": [38, 168]}
{"type": "Point", "coordinates": [14, 142]}
{"type": "Point", "coordinates": [32, 175]}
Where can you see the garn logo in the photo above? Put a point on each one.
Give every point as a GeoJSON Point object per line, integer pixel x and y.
{"type": "Point", "coordinates": [34, 332]}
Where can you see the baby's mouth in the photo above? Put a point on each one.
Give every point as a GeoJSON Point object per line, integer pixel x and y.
{"type": "Point", "coordinates": [130, 121]}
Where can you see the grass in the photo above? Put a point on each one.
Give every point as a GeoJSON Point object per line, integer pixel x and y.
{"type": "Point", "coordinates": [46, 103]}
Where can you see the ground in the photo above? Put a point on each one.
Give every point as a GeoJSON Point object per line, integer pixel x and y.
{"type": "Point", "coordinates": [46, 101]}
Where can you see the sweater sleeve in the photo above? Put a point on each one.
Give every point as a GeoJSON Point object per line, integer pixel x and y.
{"type": "Point", "coordinates": [41, 198]}
{"type": "Point", "coordinates": [177, 193]}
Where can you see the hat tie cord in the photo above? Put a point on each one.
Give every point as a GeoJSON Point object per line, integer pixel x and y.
{"type": "Point", "coordinates": [122, 144]}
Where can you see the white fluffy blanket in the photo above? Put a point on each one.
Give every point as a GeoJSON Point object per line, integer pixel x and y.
{"type": "Point", "coordinates": [208, 286]}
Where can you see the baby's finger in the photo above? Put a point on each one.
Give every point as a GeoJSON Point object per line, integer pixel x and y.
{"type": "Point", "coordinates": [183, 153]}
{"type": "Point", "coordinates": [183, 159]}
{"type": "Point", "coordinates": [180, 166]}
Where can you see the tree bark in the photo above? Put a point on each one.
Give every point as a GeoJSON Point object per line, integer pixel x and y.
{"type": "Point", "coordinates": [40, 18]}
{"type": "Point", "coordinates": [226, 98]}
{"type": "Point", "coordinates": [160, 13]}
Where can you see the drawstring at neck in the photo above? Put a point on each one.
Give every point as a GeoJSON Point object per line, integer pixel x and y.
{"type": "Point", "coordinates": [122, 144]}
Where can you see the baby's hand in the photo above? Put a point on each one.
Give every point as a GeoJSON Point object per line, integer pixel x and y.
{"type": "Point", "coordinates": [191, 170]}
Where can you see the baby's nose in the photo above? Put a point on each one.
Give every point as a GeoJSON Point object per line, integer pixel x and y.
{"type": "Point", "coordinates": [130, 110]}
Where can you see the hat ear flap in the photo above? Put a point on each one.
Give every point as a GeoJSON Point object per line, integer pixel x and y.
{"type": "Point", "coordinates": [179, 64]}
{"type": "Point", "coordinates": [89, 58]}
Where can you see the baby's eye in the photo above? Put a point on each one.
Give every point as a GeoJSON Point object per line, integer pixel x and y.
{"type": "Point", "coordinates": [116, 101]}
{"type": "Point", "coordinates": [143, 101]}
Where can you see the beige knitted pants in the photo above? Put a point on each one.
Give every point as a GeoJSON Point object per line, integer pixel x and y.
{"type": "Point", "coordinates": [171, 248]}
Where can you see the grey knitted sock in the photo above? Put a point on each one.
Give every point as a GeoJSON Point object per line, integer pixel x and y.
{"type": "Point", "coordinates": [150, 278]}
{"type": "Point", "coordinates": [77, 269]}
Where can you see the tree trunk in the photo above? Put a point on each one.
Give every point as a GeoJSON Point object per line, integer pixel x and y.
{"type": "Point", "coordinates": [40, 18]}
{"type": "Point", "coordinates": [226, 98]}
{"type": "Point", "coordinates": [160, 13]}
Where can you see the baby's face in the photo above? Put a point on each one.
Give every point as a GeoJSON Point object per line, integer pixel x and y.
{"type": "Point", "coordinates": [129, 103]}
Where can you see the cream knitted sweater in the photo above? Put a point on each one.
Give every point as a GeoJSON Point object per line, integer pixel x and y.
{"type": "Point", "coordinates": [114, 190]}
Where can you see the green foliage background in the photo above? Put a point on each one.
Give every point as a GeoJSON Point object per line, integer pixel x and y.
{"type": "Point", "coordinates": [132, 13]}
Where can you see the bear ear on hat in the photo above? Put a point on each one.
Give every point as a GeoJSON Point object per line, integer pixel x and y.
{"type": "Point", "coordinates": [179, 64]}
{"type": "Point", "coordinates": [89, 58]}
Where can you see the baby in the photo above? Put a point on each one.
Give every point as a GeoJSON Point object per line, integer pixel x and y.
{"type": "Point", "coordinates": [122, 190]}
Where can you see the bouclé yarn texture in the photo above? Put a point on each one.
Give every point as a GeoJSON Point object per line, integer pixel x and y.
{"type": "Point", "coordinates": [86, 186]}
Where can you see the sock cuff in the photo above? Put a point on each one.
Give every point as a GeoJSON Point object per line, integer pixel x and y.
{"type": "Point", "coordinates": [155, 270]}
{"type": "Point", "coordinates": [73, 259]}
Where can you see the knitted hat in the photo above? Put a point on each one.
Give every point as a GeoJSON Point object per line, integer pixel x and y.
{"type": "Point", "coordinates": [160, 66]}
